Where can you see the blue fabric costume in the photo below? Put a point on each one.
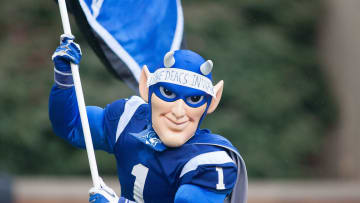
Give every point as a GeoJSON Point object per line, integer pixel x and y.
{"type": "Point", "coordinates": [207, 167]}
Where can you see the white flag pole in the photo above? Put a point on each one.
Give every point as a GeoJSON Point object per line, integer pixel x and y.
{"type": "Point", "coordinates": [80, 100]}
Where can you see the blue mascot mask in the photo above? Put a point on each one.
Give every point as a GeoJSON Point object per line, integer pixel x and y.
{"type": "Point", "coordinates": [185, 75]}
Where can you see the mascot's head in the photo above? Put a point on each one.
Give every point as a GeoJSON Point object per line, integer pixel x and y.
{"type": "Point", "coordinates": [180, 93]}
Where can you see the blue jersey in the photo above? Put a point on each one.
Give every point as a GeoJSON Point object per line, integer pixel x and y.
{"type": "Point", "coordinates": [149, 171]}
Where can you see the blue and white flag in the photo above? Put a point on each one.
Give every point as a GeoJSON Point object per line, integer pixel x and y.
{"type": "Point", "coordinates": [127, 34]}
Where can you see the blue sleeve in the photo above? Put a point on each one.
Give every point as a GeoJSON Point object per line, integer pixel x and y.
{"type": "Point", "coordinates": [65, 119]}
{"type": "Point", "coordinates": [207, 176]}
{"type": "Point", "coordinates": [191, 193]}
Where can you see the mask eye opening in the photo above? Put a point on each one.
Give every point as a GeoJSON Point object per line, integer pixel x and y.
{"type": "Point", "coordinates": [196, 100]}
{"type": "Point", "coordinates": [167, 93]}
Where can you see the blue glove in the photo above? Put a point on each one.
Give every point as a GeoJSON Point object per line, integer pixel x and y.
{"type": "Point", "coordinates": [98, 198]}
{"type": "Point", "coordinates": [67, 52]}
{"type": "Point", "coordinates": [105, 194]}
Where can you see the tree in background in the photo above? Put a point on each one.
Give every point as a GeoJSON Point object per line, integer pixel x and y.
{"type": "Point", "coordinates": [276, 107]}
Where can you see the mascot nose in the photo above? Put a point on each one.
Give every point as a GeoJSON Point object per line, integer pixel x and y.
{"type": "Point", "coordinates": [179, 108]}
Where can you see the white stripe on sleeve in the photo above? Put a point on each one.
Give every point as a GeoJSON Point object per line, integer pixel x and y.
{"type": "Point", "coordinates": [218, 157]}
{"type": "Point", "coordinates": [129, 110]}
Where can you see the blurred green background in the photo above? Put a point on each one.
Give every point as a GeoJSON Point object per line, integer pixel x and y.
{"type": "Point", "coordinates": [276, 107]}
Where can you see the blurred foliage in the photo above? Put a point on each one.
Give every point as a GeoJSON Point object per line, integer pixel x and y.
{"type": "Point", "coordinates": [276, 108]}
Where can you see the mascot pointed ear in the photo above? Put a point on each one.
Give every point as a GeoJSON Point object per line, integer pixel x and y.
{"type": "Point", "coordinates": [143, 88]}
{"type": "Point", "coordinates": [216, 100]}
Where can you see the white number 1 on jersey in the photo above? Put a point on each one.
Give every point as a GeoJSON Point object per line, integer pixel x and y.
{"type": "Point", "coordinates": [220, 185]}
{"type": "Point", "coordinates": [140, 172]}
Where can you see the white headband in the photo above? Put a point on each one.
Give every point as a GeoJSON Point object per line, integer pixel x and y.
{"type": "Point", "coordinates": [182, 77]}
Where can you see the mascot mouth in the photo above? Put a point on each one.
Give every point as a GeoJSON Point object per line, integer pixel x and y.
{"type": "Point", "coordinates": [177, 125]}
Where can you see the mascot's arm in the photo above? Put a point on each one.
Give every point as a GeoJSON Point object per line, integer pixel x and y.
{"type": "Point", "coordinates": [63, 109]}
{"type": "Point", "coordinates": [65, 119]}
{"type": "Point", "coordinates": [191, 193]}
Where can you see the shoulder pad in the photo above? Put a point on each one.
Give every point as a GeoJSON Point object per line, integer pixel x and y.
{"type": "Point", "coordinates": [212, 170]}
{"type": "Point", "coordinates": [114, 110]}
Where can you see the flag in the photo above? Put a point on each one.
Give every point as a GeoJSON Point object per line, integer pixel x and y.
{"type": "Point", "coordinates": [127, 34]}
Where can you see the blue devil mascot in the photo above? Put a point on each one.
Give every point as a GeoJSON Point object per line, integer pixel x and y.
{"type": "Point", "coordinates": [161, 152]}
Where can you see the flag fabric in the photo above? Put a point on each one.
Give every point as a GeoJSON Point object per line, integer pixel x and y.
{"type": "Point", "coordinates": [127, 34]}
